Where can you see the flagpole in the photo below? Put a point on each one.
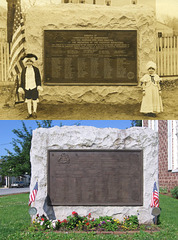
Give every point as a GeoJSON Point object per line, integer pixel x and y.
{"type": "Point", "coordinates": [32, 197]}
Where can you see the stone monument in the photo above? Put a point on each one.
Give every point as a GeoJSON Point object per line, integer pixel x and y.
{"type": "Point", "coordinates": [91, 170]}
{"type": "Point", "coordinates": [91, 53]}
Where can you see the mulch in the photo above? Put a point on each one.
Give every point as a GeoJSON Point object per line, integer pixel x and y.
{"type": "Point", "coordinates": [110, 232]}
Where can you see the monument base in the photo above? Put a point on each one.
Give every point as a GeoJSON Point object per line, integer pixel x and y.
{"type": "Point", "coordinates": [91, 138]}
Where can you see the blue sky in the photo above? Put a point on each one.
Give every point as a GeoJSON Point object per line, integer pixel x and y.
{"type": "Point", "coordinates": [6, 127]}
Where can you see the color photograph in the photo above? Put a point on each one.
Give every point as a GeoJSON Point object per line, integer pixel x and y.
{"type": "Point", "coordinates": [89, 119]}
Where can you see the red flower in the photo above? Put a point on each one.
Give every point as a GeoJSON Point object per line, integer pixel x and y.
{"type": "Point", "coordinates": [74, 213]}
{"type": "Point", "coordinates": [64, 221]}
{"type": "Point", "coordinates": [42, 219]}
{"type": "Point", "coordinates": [87, 223]}
{"type": "Point", "coordinates": [89, 215]}
{"type": "Point", "coordinates": [59, 221]}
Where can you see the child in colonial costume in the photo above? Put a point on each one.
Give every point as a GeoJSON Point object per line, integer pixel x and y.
{"type": "Point", "coordinates": [152, 101]}
{"type": "Point", "coordinates": [30, 84]}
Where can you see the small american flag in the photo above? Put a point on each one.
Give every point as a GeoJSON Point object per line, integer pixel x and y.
{"type": "Point", "coordinates": [33, 194]}
{"type": "Point", "coordinates": [18, 42]}
{"type": "Point", "coordinates": [155, 197]}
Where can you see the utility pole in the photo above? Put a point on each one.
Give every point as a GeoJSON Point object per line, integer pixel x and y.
{"type": "Point", "coordinates": [11, 4]}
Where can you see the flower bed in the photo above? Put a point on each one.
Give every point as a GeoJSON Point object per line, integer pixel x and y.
{"type": "Point", "coordinates": [75, 222]}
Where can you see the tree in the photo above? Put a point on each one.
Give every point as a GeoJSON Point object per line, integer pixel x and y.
{"type": "Point", "coordinates": [17, 163]}
{"type": "Point", "coordinates": [136, 123]}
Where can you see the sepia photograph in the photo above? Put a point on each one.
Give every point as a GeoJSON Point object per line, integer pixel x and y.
{"type": "Point", "coordinates": [89, 119]}
{"type": "Point", "coordinates": [88, 59]}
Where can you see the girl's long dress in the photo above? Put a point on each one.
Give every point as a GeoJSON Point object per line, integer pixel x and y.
{"type": "Point", "coordinates": [151, 102]}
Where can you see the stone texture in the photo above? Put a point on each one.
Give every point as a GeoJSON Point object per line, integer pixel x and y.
{"type": "Point", "coordinates": [86, 16]}
{"type": "Point", "coordinates": [80, 137]}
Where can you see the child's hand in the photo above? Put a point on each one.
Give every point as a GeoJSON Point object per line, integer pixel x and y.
{"type": "Point", "coordinates": [20, 90]}
{"type": "Point", "coordinates": [39, 88]}
{"type": "Point", "coordinates": [160, 93]}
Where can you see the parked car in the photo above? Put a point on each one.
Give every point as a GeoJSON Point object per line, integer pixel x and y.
{"type": "Point", "coordinates": [18, 184]}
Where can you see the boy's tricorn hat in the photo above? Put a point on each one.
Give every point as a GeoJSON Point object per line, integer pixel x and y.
{"type": "Point", "coordinates": [29, 55]}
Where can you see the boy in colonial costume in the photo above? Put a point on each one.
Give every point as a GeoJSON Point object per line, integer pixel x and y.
{"type": "Point", "coordinates": [30, 84]}
{"type": "Point", "coordinates": [150, 82]}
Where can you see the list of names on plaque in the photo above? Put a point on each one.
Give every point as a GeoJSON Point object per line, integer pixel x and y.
{"type": "Point", "coordinates": [90, 56]}
{"type": "Point", "coordinates": [95, 177]}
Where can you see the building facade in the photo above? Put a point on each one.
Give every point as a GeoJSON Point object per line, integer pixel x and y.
{"type": "Point", "coordinates": [150, 3]}
{"type": "Point", "coordinates": [168, 154]}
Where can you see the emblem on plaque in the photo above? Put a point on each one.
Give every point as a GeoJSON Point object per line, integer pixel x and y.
{"type": "Point", "coordinates": [130, 75]}
{"type": "Point", "coordinates": [64, 159]}
{"type": "Point", "coordinates": [32, 211]}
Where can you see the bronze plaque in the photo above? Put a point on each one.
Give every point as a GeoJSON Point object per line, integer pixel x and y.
{"type": "Point", "coordinates": [90, 57]}
{"type": "Point", "coordinates": [95, 177]}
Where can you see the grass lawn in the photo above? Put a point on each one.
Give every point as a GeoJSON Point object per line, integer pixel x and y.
{"type": "Point", "coordinates": [15, 221]}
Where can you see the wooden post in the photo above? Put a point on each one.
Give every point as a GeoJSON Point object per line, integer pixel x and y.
{"type": "Point", "coordinates": [177, 55]}
{"type": "Point", "coordinates": [2, 69]}
{"type": "Point", "coordinates": [171, 57]}
{"type": "Point", "coordinates": [164, 52]}
{"type": "Point", "coordinates": [10, 18]}
{"type": "Point", "coordinates": [168, 60]}
{"type": "Point", "coordinates": [5, 63]}
{"type": "Point", "coordinates": [161, 55]}
{"type": "Point", "coordinates": [174, 47]}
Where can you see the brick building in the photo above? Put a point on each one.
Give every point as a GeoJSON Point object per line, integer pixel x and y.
{"type": "Point", "coordinates": [168, 158]}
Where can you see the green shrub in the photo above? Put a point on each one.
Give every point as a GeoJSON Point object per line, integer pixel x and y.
{"type": "Point", "coordinates": [174, 192]}
{"type": "Point", "coordinates": [77, 222]}
{"type": "Point", "coordinates": [130, 223]}
{"type": "Point", "coordinates": [163, 190]}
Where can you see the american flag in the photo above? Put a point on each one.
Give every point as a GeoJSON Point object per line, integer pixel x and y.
{"type": "Point", "coordinates": [18, 42]}
{"type": "Point", "coordinates": [33, 194]}
{"type": "Point", "coordinates": [155, 197]}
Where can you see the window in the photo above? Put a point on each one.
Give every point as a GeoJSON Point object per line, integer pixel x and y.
{"type": "Point", "coordinates": [134, 1]}
{"type": "Point", "coordinates": [175, 158]}
{"type": "Point", "coordinates": [172, 146]}
{"type": "Point", "coordinates": [153, 124]}
{"type": "Point", "coordinates": [108, 2]}
{"type": "Point", "coordinates": [160, 34]}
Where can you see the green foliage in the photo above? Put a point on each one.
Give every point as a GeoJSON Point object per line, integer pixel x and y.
{"type": "Point", "coordinates": [15, 223]}
{"type": "Point", "coordinates": [14, 216]}
{"type": "Point", "coordinates": [77, 222]}
{"type": "Point", "coordinates": [130, 223]}
{"type": "Point", "coordinates": [163, 190]}
{"type": "Point", "coordinates": [174, 192]}
{"type": "Point", "coordinates": [136, 123]}
{"type": "Point", "coordinates": [17, 162]}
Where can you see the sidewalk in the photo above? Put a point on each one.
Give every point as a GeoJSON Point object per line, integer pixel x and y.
{"type": "Point", "coordinates": [10, 191]}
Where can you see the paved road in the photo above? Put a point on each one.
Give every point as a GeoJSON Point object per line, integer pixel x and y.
{"type": "Point", "coordinates": [8, 191]}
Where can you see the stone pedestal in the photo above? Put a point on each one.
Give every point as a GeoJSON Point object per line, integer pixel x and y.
{"type": "Point", "coordinates": [93, 17]}
{"type": "Point", "coordinates": [91, 138]}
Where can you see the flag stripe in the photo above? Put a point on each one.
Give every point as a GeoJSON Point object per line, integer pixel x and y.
{"type": "Point", "coordinates": [19, 54]}
{"type": "Point", "coordinates": [33, 194]}
{"type": "Point", "coordinates": [20, 30]}
{"type": "Point", "coordinates": [155, 197]}
{"type": "Point", "coordinates": [17, 49]}
{"type": "Point", "coordinates": [18, 42]}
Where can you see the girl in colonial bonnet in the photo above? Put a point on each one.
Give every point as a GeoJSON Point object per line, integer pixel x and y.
{"type": "Point", "coordinates": [150, 82]}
